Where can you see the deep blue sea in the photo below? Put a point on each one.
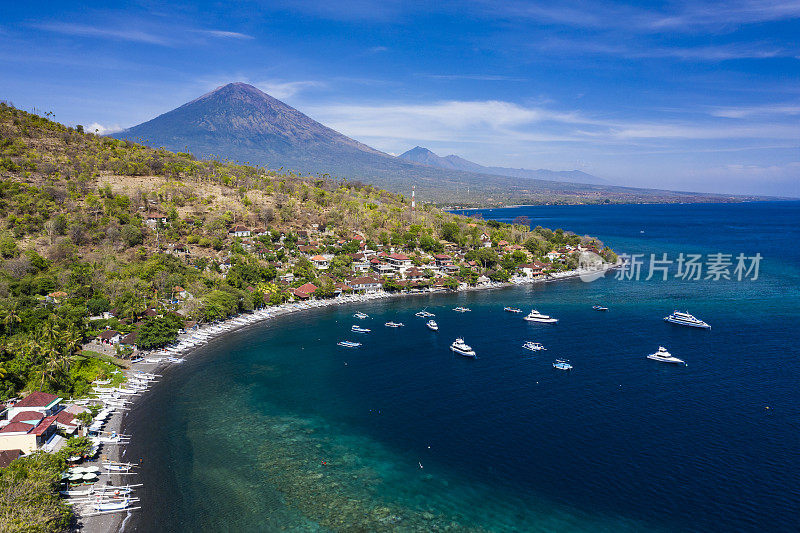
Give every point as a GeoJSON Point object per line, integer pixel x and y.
{"type": "Point", "coordinates": [276, 428]}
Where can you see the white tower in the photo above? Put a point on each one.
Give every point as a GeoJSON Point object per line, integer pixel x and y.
{"type": "Point", "coordinates": [413, 200]}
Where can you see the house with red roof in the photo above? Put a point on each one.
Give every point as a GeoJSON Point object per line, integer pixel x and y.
{"type": "Point", "coordinates": [154, 217]}
{"type": "Point", "coordinates": [399, 262]}
{"type": "Point", "coordinates": [27, 431]}
{"type": "Point", "coordinates": [239, 231]}
{"type": "Point", "coordinates": [321, 262]}
{"type": "Point", "coordinates": [109, 336]}
{"type": "Point", "coordinates": [305, 291]}
{"type": "Point", "coordinates": [40, 402]}
{"type": "Point", "coordinates": [442, 260]}
{"type": "Point", "coordinates": [365, 284]}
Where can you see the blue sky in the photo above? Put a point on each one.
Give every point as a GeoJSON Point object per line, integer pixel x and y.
{"type": "Point", "coordinates": [681, 95]}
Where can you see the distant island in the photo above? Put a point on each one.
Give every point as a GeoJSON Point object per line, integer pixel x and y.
{"type": "Point", "coordinates": [238, 122]}
{"type": "Point", "coordinates": [421, 155]}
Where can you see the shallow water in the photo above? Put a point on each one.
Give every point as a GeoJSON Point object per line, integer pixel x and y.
{"type": "Point", "coordinates": [277, 428]}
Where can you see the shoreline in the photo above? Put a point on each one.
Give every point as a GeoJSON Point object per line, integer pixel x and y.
{"type": "Point", "coordinates": [190, 341]}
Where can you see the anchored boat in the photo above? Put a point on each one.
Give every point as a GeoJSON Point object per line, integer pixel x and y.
{"type": "Point", "coordinates": [685, 319]}
{"type": "Point", "coordinates": [663, 356]}
{"type": "Point", "coordinates": [536, 316]}
{"type": "Point", "coordinates": [462, 348]}
{"type": "Point", "coordinates": [432, 325]}
{"type": "Point", "coordinates": [562, 364]}
{"type": "Point", "coordinates": [348, 344]}
{"type": "Point", "coordinates": [533, 346]}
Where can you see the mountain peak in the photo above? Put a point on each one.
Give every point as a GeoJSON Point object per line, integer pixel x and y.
{"type": "Point", "coordinates": [424, 156]}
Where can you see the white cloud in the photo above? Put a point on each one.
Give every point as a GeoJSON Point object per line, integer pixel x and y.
{"type": "Point", "coordinates": [112, 33]}
{"type": "Point", "coordinates": [501, 122]}
{"type": "Point", "coordinates": [286, 89]}
{"type": "Point", "coordinates": [96, 127]}
{"type": "Point", "coordinates": [766, 110]}
{"type": "Point", "coordinates": [226, 34]}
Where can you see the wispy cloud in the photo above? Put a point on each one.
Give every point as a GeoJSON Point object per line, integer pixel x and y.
{"type": "Point", "coordinates": [475, 77]}
{"type": "Point", "coordinates": [681, 17]}
{"type": "Point", "coordinates": [644, 50]}
{"type": "Point", "coordinates": [286, 89]}
{"type": "Point", "coordinates": [498, 123]}
{"type": "Point", "coordinates": [103, 32]}
{"type": "Point", "coordinates": [761, 111]}
{"type": "Point", "coordinates": [377, 49]}
{"type": "Point", "coordinates": [226, 34]}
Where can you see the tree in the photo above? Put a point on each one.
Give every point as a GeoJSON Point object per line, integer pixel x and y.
{"type": "Point", "coordinates": [156, 332]}
{"type": "Point", "coordinates": [29, 498]}
{"type": "Point", "coordinates": [450, 283]}
{"type": "Point", "coordinates": [522, 220]}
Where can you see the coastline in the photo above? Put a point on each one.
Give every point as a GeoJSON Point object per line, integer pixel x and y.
{"type": "Point", "coordinates": [190, 341]}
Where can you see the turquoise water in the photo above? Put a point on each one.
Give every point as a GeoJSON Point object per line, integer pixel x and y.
{"type": "Point", "coordinates": [277, 428]}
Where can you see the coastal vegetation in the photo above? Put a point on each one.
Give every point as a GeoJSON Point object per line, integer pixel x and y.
{"type": "Point", "coordinates": [108, 246]}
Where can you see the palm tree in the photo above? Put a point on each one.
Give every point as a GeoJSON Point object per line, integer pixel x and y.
{"type": "Point", "coordinates": [10, 317]}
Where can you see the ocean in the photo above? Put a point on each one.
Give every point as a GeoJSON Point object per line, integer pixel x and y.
{"type": "Point", "coordinates": [277, 428]}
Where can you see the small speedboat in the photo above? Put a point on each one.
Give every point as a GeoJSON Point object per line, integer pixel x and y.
{"type": "Point", "coordinates": [664, 356]}
{"type": "Point", "coordinates": [512, 309]}
{"type": "Point", "coordinates": [360, 315]}
{"type": "Point", "coordinates": [462, 309]}
{"type": "Point", "coordinates": [685, 319]}
{"type": "Point", "coordinates": [348, 344]}
{"type": "Point", "coordinates": [432, 325]}
{"type": "Point", "coordinates": [599, 308]}
{"type": "Point", "coordinates": [562, 364]}
{"type": "Point", "coordinates": [394, 324]}
{"type": "Point", "coordinates": [424, 314]}
{"type": "Point", "coordinates": [534, 346]}
{"type": "Point", "coordinates": [359, 329]}
{"type": "Point", "coordinates": [536, 316]}
{"type": "Point", "coordinates": [462, 348]}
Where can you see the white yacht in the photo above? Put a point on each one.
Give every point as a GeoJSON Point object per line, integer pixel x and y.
{"type": "Point", "coordinates": [462, 309]}
{"type": "Point", "coordinates": [432, 325]}
{"type": "Point", "coordinates": [534, 346]}
{"type": "Point", "coordinates": [360, 315]}
{"type": "Point", "coordinates": [349, 344]}
{"type": "Point", "coordinates": [462, 348]}
{"type": "Point", "coordinates": [394, 324]}
{"type": "Point", "coordinates": [424, 314]}
{"type": "Point", "coordinates": [665, 357]}
{"type": "Point", "coordinates": [536, 316]}
{"type": "Point", "coordinates": [512, 309]}
{"type": "Point", "coordinates": [359, 329]}
{"type": "Point", "coordinates": [685, 319]}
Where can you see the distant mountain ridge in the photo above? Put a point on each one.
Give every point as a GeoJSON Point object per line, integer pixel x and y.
{"type": "Point", "coordinates": [239, 122]}
{"type": "Point", "coordinates": [424, 156]}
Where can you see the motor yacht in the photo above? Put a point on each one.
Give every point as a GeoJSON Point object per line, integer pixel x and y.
{"type": "Point", "coordinates": [359, 329]}
{"type": "Point", "coordinates": [600, 308]}
{"type": "Point", "coordinates": [432, 325]}
{"type": "Point", "coordinates": [536, 316]}
{"type": "Point", "coordinates": [665, 357]}
{"type": "Point", "coordinates": [534, 346]}
{"type": "Point", "coordinates": [348, 344]}
{"type": "Point", "coordinates": [462, 348]}
{"type": "Point", "coordinates": [360, 315]}
{"type": "Point", "coordinates": [512, 309]}
{"type": "Point", "coordinates": [462, 309]}
{"type": "Point", "coordinates": [394, 324]}
{"type": "Point", "coordinates": [424, 314]}
{"type": "Point", "coordinates": [685, 319]}
{"type": "Point", "coordinates": [562, 364]}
